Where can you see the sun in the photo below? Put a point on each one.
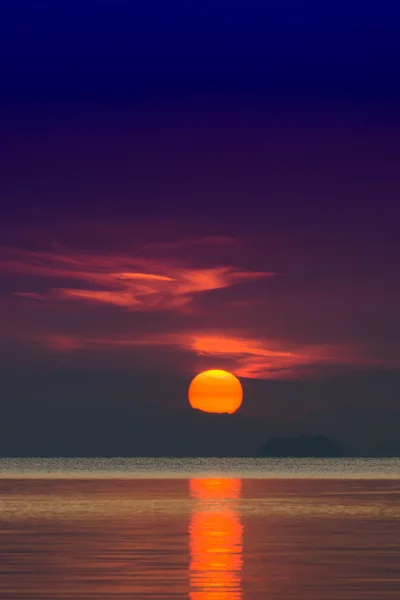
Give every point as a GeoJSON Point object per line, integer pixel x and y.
{"type": "Point", "coordinates": [216, 391]}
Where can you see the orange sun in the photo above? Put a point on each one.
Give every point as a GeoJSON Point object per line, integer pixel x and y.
{"type": "Point", "coordinates": [216, 391]}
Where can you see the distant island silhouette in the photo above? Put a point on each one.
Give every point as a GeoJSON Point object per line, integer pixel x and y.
{"type": "Point", "coordinates": [316, 446]}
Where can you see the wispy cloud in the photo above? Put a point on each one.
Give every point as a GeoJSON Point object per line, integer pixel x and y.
{"type": "Point", "coordinates": [67, 343]}
{"type": "Point", "coordinates": [252, 357]}
{"type": "Point", "coordinates": [129, 282]}
{"type": "Point", "coordinates": [245, 356]}
{"type": "Point", "coordinates": [47, 299]}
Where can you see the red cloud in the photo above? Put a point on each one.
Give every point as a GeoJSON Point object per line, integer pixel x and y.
{"type": "Point", "coordinates": [54, 288]}
{"type": "Point", "coordinates": [130, 282]}
{"type": "Point", "coordinates": [246, 357]}
{"type": "Point", "coordinates": [251, 357]}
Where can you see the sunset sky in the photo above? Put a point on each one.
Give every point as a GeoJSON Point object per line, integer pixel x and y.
{"type": "Point", "coordinates": [191, 191]}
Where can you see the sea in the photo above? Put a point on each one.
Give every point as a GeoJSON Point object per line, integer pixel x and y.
{"type": "Point", "coordinates": [200, 529]}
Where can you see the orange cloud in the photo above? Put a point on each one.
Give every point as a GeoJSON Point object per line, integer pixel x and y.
{"type": "Point", "coordinates": [247, 357]}
{"type": "Point", "coordinates": [230, 345]}
{"type": "Point", "coordinates": [56, 283]}
{"type": "Point", "coordinates": [138, 276]}
{"type": "Point", "coordinates": [130, 282]}
{"type": "Point", "coordinates": [124, 299]}
{"type": "Point", "coordinates": [269, 359]}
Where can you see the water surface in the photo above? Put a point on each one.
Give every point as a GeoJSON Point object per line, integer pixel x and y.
{"type": "Point", "coordinates": [110, 529]}
{"type": "Point", "coordinates": [202, 467]}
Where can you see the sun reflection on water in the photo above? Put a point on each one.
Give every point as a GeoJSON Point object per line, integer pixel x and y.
{"type": "Point", "coordinates": [216, 540]}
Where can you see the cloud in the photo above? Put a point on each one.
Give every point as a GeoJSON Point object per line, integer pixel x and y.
{"type": "Point", "coordinates": [60, 343]}
{"type": "Point", "coordinates": [246, 356]}
{"type": "Point", "coordinates": [66, 343]}
{"type": "Point", "coordinates": [120, 280]}
{"type": "Point", "coordinates": [204, 344]}
{"type": "Point", "coordinates": [122, 299]}
{"type": "Point", "coordinates": [259, 358]}
{"type": "Point", "coordinates": [144, 307]}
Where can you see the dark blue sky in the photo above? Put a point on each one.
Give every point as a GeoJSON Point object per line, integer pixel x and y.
{"type": "Point", "coordinates": [211, 33]}
{"type": "Point", "coordinates": [331, 50]}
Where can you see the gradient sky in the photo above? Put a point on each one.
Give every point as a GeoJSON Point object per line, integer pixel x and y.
{"type": "Point", "coordinates": [186, 188]}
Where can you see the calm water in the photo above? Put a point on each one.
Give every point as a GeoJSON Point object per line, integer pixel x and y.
{"type": "Point", "coordinates": [200, 530]}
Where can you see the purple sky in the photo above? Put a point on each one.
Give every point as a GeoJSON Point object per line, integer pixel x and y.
{"type": "Point", "coordinates": [164, 215]}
